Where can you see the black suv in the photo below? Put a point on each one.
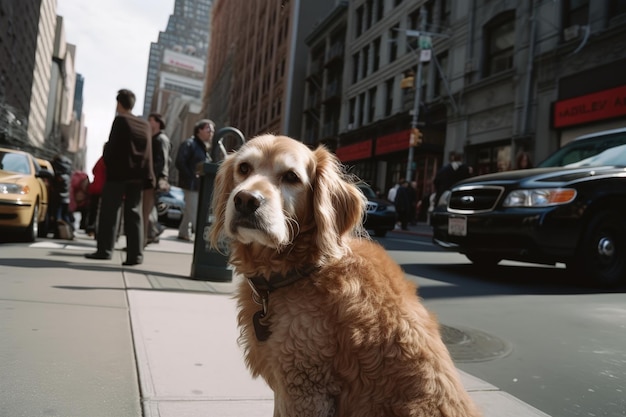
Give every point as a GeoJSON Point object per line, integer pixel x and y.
{"type": "Point", "coordinates": [570, 209]}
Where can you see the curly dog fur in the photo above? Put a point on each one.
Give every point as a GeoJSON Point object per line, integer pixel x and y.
{"type": "Point", "coordinates": [348, 334]}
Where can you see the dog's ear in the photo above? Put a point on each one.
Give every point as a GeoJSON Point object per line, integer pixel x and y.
{"type": "Point", "coordinates": [338, 204]}
{"type": "Point", "coordinates": [224, 183]}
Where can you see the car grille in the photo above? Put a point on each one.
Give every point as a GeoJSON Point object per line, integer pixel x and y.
{"type": "Point", "coordinates": [474, 199]}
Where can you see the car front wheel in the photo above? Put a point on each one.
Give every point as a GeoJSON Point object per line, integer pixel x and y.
{"type": "Point", "coordinates": [602, 252]}
{"type": "Point", "coordinates": [30, 235]}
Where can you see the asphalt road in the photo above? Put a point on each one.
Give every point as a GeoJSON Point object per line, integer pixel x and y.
{"type": "Point", "coordinates": [525, 328]}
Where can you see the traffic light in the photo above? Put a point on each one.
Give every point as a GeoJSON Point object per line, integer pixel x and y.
{"type": "Point", "coordinates": [416, 137]}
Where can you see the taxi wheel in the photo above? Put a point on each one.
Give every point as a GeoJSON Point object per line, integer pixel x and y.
{"type": "Point", "coordinates": [33, 228]}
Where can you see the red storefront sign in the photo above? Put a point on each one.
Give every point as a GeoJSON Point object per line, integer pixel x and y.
{"type": "Point", "coordinates": [394, 142]}
{"type": "Point", "coordinates": [361, 150]}
{"type": "Point", "coordinates": [602, 105]}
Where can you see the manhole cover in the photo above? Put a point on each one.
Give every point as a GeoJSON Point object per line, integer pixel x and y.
{"type": "Point", "coordinates": [471, 345]}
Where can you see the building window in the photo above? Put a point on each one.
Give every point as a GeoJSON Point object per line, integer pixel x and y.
{"type": "Point", "coordinates": [369, 14]}
{"type": "Point", "coordinates": [359, 22]}
{"type": "Point", "coordinates": [366, 60]}
{"type": "Point", "coordinates": [500, 42]}
{"type": "Point", "coordinates": [355, 68]}
{"type": "Point", "coordinates": [393, 43]}
{"type": "Point", "coordinates": [376, 63]}
{"type": "Point", "coordinates": [575, 12]}
{"type": "Point", "coordinates": [617, 7]}
{"type": "Point", "coordinates": [439, 87]}
{"type": "Point", "coordinates": [444, 20]}
{"type": "Point", "coordinates": [389, 96]}
{"type": "Point", "coordinates": [361, 114]}
{"type": "Point", "coordinates": [372, 102]}
{"type": "Point", "coordinates": [380, 9]}
{"type": "Point", "coordinates": [352, 114]}
{"type": "Point", "coordinates": [413, 24]}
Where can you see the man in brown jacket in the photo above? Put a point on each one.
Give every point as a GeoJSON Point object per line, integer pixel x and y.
{"type": "Point", "coordinates": [128, 160]}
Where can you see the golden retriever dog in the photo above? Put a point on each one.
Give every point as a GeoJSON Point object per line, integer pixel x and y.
{"type": "Point", "coordinates": [327, 318]}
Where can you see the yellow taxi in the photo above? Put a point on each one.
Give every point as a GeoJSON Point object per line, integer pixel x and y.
{"type": "Point", "coordinates": [23, 194]}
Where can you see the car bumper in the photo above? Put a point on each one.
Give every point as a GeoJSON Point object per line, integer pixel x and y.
{"type": "Point", "coordinates": [545, 235]}
{"type": "Point", "coordinates": [15, 214]}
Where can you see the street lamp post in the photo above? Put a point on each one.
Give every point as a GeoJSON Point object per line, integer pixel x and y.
{"type": "Point", "coordinates": [414, 120]}
{"type": "Point", "coordinates": [417, 99]}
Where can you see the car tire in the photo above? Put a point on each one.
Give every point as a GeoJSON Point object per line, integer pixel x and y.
{"type": "Point", "coordinates": [30, 235]}
{"type": "Point", "coordinates": [601, 255]}
{"type": "Point", "coordinates": [484, 260]}
{"type": "Point", "coordinates": [380, 232]}
{"type": "Point", "coordinates": [44, 226]}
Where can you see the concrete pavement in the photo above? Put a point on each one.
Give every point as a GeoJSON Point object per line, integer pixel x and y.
{"type": "Point", "coordinates": [134, 341]}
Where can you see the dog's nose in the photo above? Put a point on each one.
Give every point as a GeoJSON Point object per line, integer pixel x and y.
{"type": "Point", "coordinates": [247, 202]}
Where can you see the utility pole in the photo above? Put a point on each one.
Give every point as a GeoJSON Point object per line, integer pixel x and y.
{"type": "Point", "coordinates": [418, 97]}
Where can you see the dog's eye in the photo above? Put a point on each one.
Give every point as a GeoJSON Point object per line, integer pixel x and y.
{"type": "Point", "coordinates": [291, 177]}
{"type": "Point", "coordinates": [244, 168]}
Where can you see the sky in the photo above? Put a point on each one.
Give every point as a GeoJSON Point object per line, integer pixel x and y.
{"type": "Point", "coordinates": [112, 41]}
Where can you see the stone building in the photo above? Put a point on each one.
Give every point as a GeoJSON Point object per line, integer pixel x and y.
{"type": "Point", "coordinates": [502, 76]}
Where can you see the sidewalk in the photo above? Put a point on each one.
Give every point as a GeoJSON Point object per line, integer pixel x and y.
{"type": "Point", "coordinates": [185, 338]}
{"type": "Point", "coordinates": [188, 359]}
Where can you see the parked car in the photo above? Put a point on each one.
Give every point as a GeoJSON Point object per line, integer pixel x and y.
{"type": "Point", "coordinates": [23, 194]}
{"type": "Point", "coordinates": [381, 215]}
{"type": "Point", "coordinates": [170, 206]}
{"type": "Point", "coordinates": [570, 209]}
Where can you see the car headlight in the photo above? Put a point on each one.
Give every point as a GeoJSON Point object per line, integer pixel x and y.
{"type": "Point", "coordinates": [10, 188]}
{"type": "Point", "coordinates": [542, 197]}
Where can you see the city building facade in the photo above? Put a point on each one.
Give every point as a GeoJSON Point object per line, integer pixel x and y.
{"type": "Point", "coordinates": [257, 63]}
{"type": "Point", "coordinates": [27, 31]}
{"type": "Point", "coordinates": [38, 83]}
{"type": "Point", "coordinates": [187, 32]}
{"type": "Point", "coordinates": [496, 78]}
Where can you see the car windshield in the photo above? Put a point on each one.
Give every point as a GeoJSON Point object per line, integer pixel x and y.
{"type": "Point", "coordinates": [584, 151]}
{"type": "Point", "coordinates": [612, 156]}
{"type": "Point", "coordinates": [367, 191]}
{"type": "Point", "coordinates": [14, 162]}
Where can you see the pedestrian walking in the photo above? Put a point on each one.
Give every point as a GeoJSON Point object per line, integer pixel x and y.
{"type": "Point", "coordinates": [450, 174]}
{"type": "Point", "coordinates": [403, 204]}
{"type": "Point", "coordinates": [128, 159]}
{"type": "Point", "coordinates": [60, 198]}
{"type": "Point", "coordinates": [161, 161]}
{"type": "Point", "coordinates": [192, 153]}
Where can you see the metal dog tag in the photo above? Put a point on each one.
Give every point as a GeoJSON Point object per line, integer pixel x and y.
{"type": "Point", "coordinates": [261, 330]}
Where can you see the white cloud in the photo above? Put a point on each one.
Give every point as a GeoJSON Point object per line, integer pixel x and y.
{"type": "Point", "coordinates": [112, 41]}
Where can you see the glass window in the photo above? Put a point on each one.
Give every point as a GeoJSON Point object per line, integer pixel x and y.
{"type": "Point", "coordinates": [376, 63]}
{"type": "Point", "coordinates": [393, 43]}
{"type": "Point", "coordinates": [575, 12]}
{"type": "Point", "coordinates": [389, 98]}
{"type": "Point", "coordinates": [500, 43]}
{"type": "Point", "coordinates": [352, 113]}
{"type": "Point", "coordinates": [439, 88]}
{"type": "Point", "coordinates": [372, 109]}
{"type": "Point", "coordinates": [617, 7]}
{"type": "Point", "coordinates": [355, 68]}
{"type": "Point", "coordinates": [359, 22]}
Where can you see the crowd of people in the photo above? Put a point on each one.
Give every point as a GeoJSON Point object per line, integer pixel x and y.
{"type": "Point", "coordinates": [135, 167]}
{"type": "Point", "coordinates": [411, 208]}
{"type": "Point", "coordinates": [133, 170]}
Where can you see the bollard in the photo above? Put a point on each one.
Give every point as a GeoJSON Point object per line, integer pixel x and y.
{"type": "Point", "coordinates": [209, 264]}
